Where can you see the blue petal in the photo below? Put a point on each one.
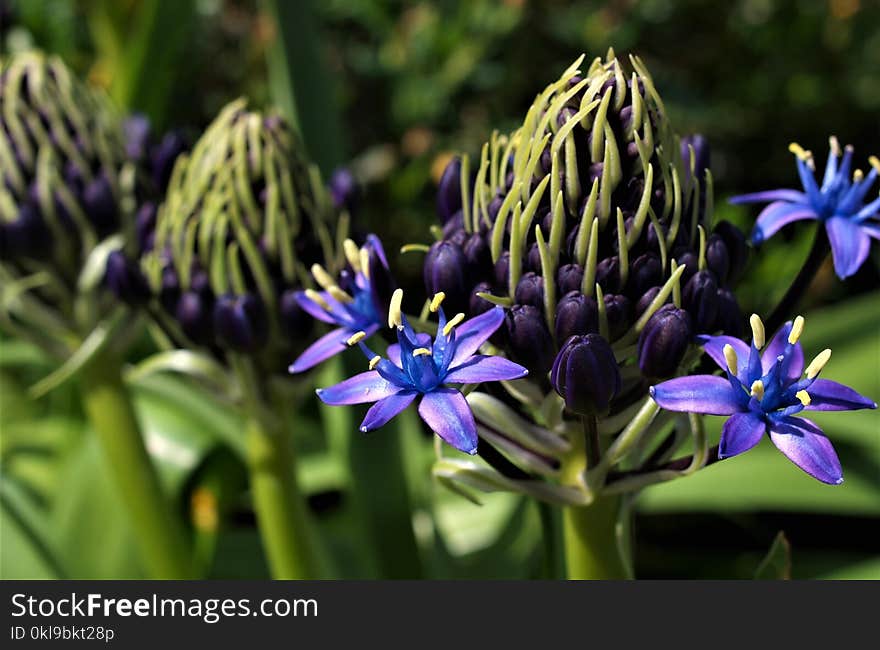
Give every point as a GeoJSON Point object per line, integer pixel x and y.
{"type": "Point", "coordinates": [779, 214]}
{"type": "Point", "coordinates": [793, 365]}
{"type": "Point", "coordinates": [714, 347]}
{"type": "Point", "coordinates": [482, 368]}
{"type": "Point", "coordinates": [312, 308]}
{"type": "Point", "coordinates": [471, 334]}
{"type": "Point", "coordinates": [869, 210]}
{"type": "Point", "coordinates": [790, 196]}
{"type": "Point", "coordinates": [387, 408]}
{"type": "Point", "coordinates": [806, 446]}
{"type": "Point", "coordinates": [849, 245]}
{"type": "Point", "coordinates": [741, 432]}
{"type": "Point", "coordinates": [446, 411]}
{"type": "Point", "coordinates": [321, 350]}
{"type": "Point", "coordinates": [856, 194]}
{"type": "Point", "coordinates": [393, 352]}
{"type": "Point", "coordinates": [698, 394]}
{"type": "Point", "coordinates": [827, 395]}
{"type": "Point", "coordinates": [376, 245]}
{"type": "Point", "coordinates": [366, 387]}
{"type": "Point", "coordinates": [809, 181]}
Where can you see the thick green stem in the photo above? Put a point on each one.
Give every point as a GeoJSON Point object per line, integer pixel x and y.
{"type": "Point", "coordinates": [158, 531]}
{"type": "Point", "coordinates": [592, 549]}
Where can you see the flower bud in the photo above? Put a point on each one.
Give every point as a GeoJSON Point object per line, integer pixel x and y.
{"type": "Point", "coordinates": [664, 341]}
{"type": "Point", "coordinates": [645, 300]}
{"type": "Point", "coordinates": [608, 274]}
{"type": "Point", "coordinates": [240, 322]}
{"type": "Point", "coordinates": [700, 146]}
{"type": "Point", "coordinates": [645, 272]}
{"type": "Point", "coordinates": [478, 256]}
{"type": "Point", "coordinates": [619, 312]}
{"type": "Point", "coordinates": [576, 314]}
{"type": "Point", "coordinates": [530, 290]}
{"type": "Point", "coordinates": [344, 189]}
{"type": "Point", "coordinates": [529, 340]}
{"type": "Point", "coordinates": [700, 298]}
{"type": "Point", "coordinates": [445, 269]}
{"type": "Point", "coordinates": [164, 155]}
{"type": "Point", "coordinates": [478, 305]}
{"type": "Point", "coordinates": [194, 312]}
{"type": "Point", "coordinates": [502, 270]}
{"type": "Point", "coordinates": [717, 258]}
{"type": "Point", "coordinates": [737, 249]}
{"type": "Point", "coordinates": [99, 205]}
{"type": "Point", "coordinates": [730, 318]}
{"type": "Point", "coordinates": [449, 191]}
{"type": "Point", "coordinates": [125, 280]}
{"type": "Point", "coordinates": [586, 375]}
{"type": "Point", "coordinates": [569, 277]}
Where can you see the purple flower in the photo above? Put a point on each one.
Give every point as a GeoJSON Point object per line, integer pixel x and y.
{"type": "Point", "coordinates": [762, 393]}
{"type": "Point", "coordinates": [355, 304]}
{"type": "Point", "coordinates": [839, 203]}
{"type": "Point", "coordinates": [417, 365]}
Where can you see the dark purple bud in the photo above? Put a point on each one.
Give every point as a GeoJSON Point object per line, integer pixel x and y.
{"type": "Point", "coordinates": [690, 260]}
{"type": "Point", "coordinates": [717, 258]}
{"type": "Point", "coordinates": [619, 312]}
{"type": "Point", "coordinates": [194, 313]}
{"type": "Point", "coordinates": [646, 299]}
{"type": "Point", "coordinates": [136, 133]}
{"type": "Point", "coordinates": [729, 319]}
{"type": "Point", "coordinates": [529, 340]}
{"type": "Point", "coordinates": [454, 225]}
{"type": "Point", "coordinates": [164, 155]}
{"type": "Point", "coordinates": [495, 206]}
{"type": "Point", "coordinates": [700, 298]}
{"type": "Point", "coordinates": [569, 277]}
{"type": "Point", "coordinates": [530, 290]}
{"type": "Point", "coordinates": [533, 259]}
{"type": "Point", "coordinates": [240, 322]}
{"type": "Point", "coordinates": [449, 191]}
{"type": "Point", "coordinates": [445, 269]}
{"type": "Point", "coordinates": [608, 274]}
{"type": "Point", "coordinates": [169, 293]}
{"type": "Point", "coordinates": [476, 304]}
{"type": "Point", "coordinates": [701, 154]}
{"type": "Point", "coordinates": [145, 226]}
{"type": "Point", "coordinates": [737, 249]}
{"type": "Point", "coordinates": [100, 205]}
{"type": "Point", "coordinates": [644, 273]}
{"type": "Point", "coordinates": [502, 271]}
{"type": "Point", "coordinates": [25, 236]}
{"type": "Point", "coordinates": [344, 189]}
{"type": "Point", "coordinates": [664, 341]}
{"type": "Point", "coordinates": [586, 375]}
{"type": "Point", "coordinates": [576, 314]}
{"type": "Point", "coordinates": [123, 277]}
{"type": "Point", "coordinates": [478, 256]}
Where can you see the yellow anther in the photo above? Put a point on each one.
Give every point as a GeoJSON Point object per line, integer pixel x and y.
{"type": "Point", "coordinates": [799, 151]}
{"type": "Point", "coordinates": [730, 357]}
{"type": "Point", "coordinates": [797, 328]}
{"type": "Point", "coordinates": [339, 294]}
{"type": "Point", "coordinates": [858, 175]}
{"type": "Point", "coordinates": [356, 338]}
{"type": "Point", "coordinates": [757, 330]}
{"type": "Point", "coordinates": [352, 254]}
{"type": "Point", "coordinates": [365, 262]}
{"type": "Point", "coordinates": [758, 389]}
{"type": "Point", "coordinates": [436, 301]}
{"type": "Point", "coordinates": [875, 162]}
{"type": "Point", "coordinates": [452, 323]}
{"type": "Point", "coordinates": [375, 362]}
{"type": "Point", "coordinates": [804, 397]}
{"type": "Point", "coordinates": [421, 352]}
{"type": "Point", "coordinates": [394, 315]}
{"type": "Point", "coordinates": [322, 277]}
{"type": "Point", "coordinates": [834, 143]}
{"type": "Point", "coordinates": [317, 298]}
{"type": "Point", "coordinates": [818, 363]}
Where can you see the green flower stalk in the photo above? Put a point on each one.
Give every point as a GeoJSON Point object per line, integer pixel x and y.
{"type": "Point", "coordinates": [67, 204]}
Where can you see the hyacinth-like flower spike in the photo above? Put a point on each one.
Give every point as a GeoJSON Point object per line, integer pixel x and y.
{"type": "Point", "coordinates": [358, 308]}
{"type": "Point", "coordinates": [762, 393]}
{"type": "Point", "coordinates": [418, 365]}
{"type": "Point", "coordinates": [839, 203]}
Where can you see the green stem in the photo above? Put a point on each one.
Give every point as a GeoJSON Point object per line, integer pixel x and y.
{"type": "Point", "coordinates": [158, 531]}
{"type": "Point", "coordinates": [592, 549]}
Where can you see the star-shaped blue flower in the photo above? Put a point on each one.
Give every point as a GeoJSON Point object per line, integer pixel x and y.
{"type": "Point", "coordinates": [839, 203]}
{"type": "Point", "coordinates": [419, 365]}
{"type": "Point", "coordinates": [355, 303]}
{"type": "Point", "coordinates": [762, 393]}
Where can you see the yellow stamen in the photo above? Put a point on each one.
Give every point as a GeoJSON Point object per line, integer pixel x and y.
{"type": "Point", "coordinates": [375, 361]}
{"type": "Point", "coordinates": [436, 301]}
{"type": "Point", "coordinates": [420, 352]}
{"type": "Point", "coordinates": [339, 294]}
{"type": "Point", "coordinates": [365, 262]}
{"type": "Point", "coordinates": [758, 389]}
{"type": "Point", "coordinates": [322, 277]}
{"type": "Point", "coordinates": [818, 363]}
{"type": "Point", "coordinates": [804, 397]}
{"type": "Point", "coordinates": [730, 357]}
{"type": "Point", "coordinates": [352, 254]}
{"type": "Point", "coordinates": [800, 152]}
{"type": "Point", "coordinates": [797, 328]}
{"type": "Point", "coordinates": [394, 316]}
{"type": "Point", "coordinates": [455, 321]}
{"type": "Point", "coordinates": [757, 330]}
{"type": "Point", "coordinates": [875, 162]}
{"type": "Point", "coordinates": [834, 143]}
{"type": "Point", "coordinates": [356, 338]}
{"type": "Point", "coordinates": [316, 297]}
{"type": "Point", "coordinates": [858, 175]}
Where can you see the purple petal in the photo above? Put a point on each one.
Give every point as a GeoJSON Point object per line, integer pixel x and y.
{"type": "Point", "coordinates": [807, 447]}
{"type": "Point", "coordinates": [393, 352]}
{"type": "Point", "coordinates": [471, 334]}
{"type": "Point", "coordinates": [869, 210]}
{"type": "Point", "coordinates": [779, 214]}
{"type": "Point", "coordinates": [794, 357]}
{"type": "Point", "coordinates": [714, 347]}
{"type": "Point", "coordinates": [366, 387]}
{"type": "Point", "coordinates": [376, 244]}
{"type": "Point", "coordinates": [446, 411]}
{"type": "Point", "coordinates": [321, 350]}
{"type": "Point", "coordinates": [849, 245]}
{"type": "Point", "coordinates": [387, 408]}
{"type": "Point", "coordinates": [791, 196]}
{"type": "Point", "coordinates": [482, 368]}
{"type": "Point", "coordinates": [698, 394]}
{"type": "Point", "coordinates": [827, 395]}
{"type": "Point", "coordinates": [741, 432]}
{"type": "Point", "coordinates": [312, 308]}
{"type": "Point", "coordinates": [872, 230]}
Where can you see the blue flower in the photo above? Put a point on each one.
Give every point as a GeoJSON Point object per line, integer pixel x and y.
{"type": "Point", "coordinates": [417, 365]}
{"type": "Point", "coordinates": [763, 392]}
{"type": "Point", "coordinates": [355, 304]}
{"type": "Point", "coordinates": [839, 203]}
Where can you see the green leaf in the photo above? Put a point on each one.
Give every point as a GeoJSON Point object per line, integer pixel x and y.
{"type": "Point", "coordinates": [776, 565]}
